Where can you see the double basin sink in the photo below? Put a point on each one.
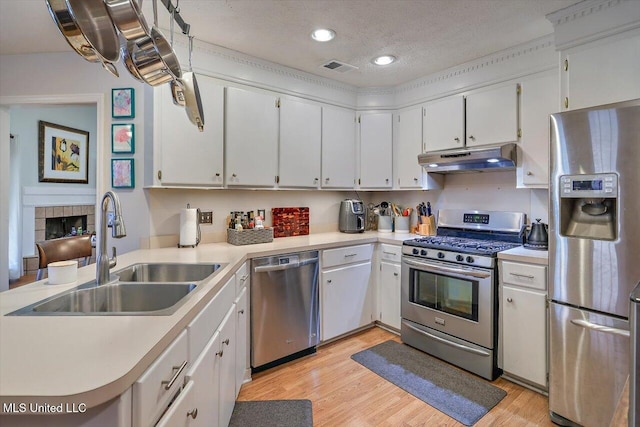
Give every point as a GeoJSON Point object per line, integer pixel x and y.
{"type": "Point", "coordinates": [141, 289]}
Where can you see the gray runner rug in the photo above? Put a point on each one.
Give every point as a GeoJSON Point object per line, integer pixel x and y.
{"type": "Point", "coordinates": [272, 413]}
{"type": "Point", "coordinates": [458, 394]}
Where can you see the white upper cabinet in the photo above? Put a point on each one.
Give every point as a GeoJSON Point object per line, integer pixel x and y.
{"type": "Point", "coordinates": [408, 146]}
{"type": "Point", "coordinates": [376, 150]}
{"type": "Point", "coordinates": [492, 115]}
{"type": "Point", "coordinates": [443, 125]}
{"type": "Point", "coordinates": [539, 99]}
{"type": "Point", "coordinates": [251, 147]}
{"type": "Point", "coordinates": [187, 156]}
{"type": "Point", "coordinates": [300, 142]}
{"type": "Point", "coordinates": [601, 72]}
{"type": "Point", "coordinates": [338, 148]}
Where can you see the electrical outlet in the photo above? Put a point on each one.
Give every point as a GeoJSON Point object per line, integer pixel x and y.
{"type": "Point", "coordinates": [206, 217]}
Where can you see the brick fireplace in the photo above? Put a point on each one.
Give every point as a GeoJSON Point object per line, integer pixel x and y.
{"type": "Point", "coordinates": [60, 220]}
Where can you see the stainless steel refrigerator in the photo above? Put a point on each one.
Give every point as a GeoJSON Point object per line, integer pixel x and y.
{"type": "Point", "coordinates": [594, 259]}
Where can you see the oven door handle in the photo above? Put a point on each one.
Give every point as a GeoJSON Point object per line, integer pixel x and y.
{"type": "Point", "coordinates": [447, 342]}
{"type": "Point", "coordinates": [478, 274]}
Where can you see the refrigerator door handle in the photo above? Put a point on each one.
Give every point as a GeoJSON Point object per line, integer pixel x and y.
{"type": "Point", "coordinates": [600, 328]}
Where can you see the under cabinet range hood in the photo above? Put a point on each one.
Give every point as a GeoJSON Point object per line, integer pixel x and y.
{"type": "Point", "coordinates": [475, 159]}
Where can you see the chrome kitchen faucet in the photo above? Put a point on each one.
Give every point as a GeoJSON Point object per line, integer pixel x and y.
{"type": "Point", "coordinates": [103, 262]}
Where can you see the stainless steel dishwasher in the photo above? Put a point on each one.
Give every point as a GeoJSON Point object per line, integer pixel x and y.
{"type": "Point", "coordinates": [284, 308]}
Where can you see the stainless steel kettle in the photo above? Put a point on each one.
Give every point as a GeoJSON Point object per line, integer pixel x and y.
{"type": "Point", "coordinates": [538, 237]}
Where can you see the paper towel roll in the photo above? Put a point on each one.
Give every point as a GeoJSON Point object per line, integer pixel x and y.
{"type": "Point", "coordinates": [188, 227]}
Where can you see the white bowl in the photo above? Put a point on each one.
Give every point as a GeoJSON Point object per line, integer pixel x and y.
{"type": "Point", "coordinates": [62, 272]}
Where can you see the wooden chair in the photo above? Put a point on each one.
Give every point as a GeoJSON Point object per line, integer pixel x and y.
{"type": "Point", "coordinates": [63, 249]}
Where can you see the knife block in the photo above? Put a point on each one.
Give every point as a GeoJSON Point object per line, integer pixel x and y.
{"type": "Point", "coordinates": [427, 226]}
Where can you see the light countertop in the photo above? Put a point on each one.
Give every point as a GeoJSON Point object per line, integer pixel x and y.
{"type": "Point", "coordinates": [523, 254]}
{"type": "Point", "coordinates": [93, 359]}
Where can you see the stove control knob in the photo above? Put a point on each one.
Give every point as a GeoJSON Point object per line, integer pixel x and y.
{"type": "Point", "coordinates": [440, 255]}
{"type": "Point", "coordinates": [423, 252]}
{"type": "Point", "coordinates": [459, 258]}
{"type": "Point", "coordinates": [415, 251]}
{"type": "Point", "coordinates": [470, 259]}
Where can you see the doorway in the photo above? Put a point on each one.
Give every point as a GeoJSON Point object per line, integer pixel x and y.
{"type": "Point", "coordinates": [20, 116]}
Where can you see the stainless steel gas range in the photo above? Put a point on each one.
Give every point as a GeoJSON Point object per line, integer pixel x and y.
{"type": "Point", "coordinates": [450, 287]}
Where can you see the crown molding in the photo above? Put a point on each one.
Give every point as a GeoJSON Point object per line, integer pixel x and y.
{"type": "Point", "coordinates": [266, 66]}
{"type": "Point", "coordinates": [497, 59]}
{"type": "Point", "coordinates": [580, 10]}
{"type": "Point", "coordinates": [591, 20]}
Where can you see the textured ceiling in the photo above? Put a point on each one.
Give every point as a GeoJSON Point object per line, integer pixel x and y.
{"type": "Point", "coordinates": [426, 35]}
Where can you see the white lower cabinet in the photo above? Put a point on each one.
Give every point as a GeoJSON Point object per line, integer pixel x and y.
{"type": "Point", "coordinates": [227, 362]}
{"type": "Point", "coordinates": [524, 323]}
{"type": "Point", "coordinates": [346, 299]}
{"type": "Point", "coordinates": [389, 294]}
{"type": "Point", "coordinates": [524, 329]}
{"type": "Point", "coordinates": [204, 376]}
{"type": "Point", "coordinates": [242, 353]}
{"type": "Point", "coordinates": [183, 412]}
{"type": "Point", "coordinates": [153, 391]}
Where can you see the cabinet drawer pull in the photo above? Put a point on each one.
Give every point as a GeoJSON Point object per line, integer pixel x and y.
{"type": "Point", "coordinates": [193, 413]}
{"type": "Point", "coordinates": [168, 384]}
{"type": "Point", "coordinates": [389, 253]}
{"type": "Point", "coordinates": [471, 137]}
{"type": "Point", "coordinates": [244, 278]}
{"type": "Point", "coordinates": [526, 276]}
{"type": "Point", "coordinates": [241, 311]}
{"type": "Point", "coordinates": [226, 341]}
{"type": "Point", "coordinates": [349, 255]}
{"type": "Point", "coordinates": [395, 274]}
{"type": "Point", "coordinates": [509, 299]}
{"type": "Point", "coordinates": [220, 353]}
{"type": "Point", "coordinates": [456, 139]}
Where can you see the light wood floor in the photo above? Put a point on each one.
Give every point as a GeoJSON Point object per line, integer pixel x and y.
{"type": "Point", "coordinates": [345, 393]}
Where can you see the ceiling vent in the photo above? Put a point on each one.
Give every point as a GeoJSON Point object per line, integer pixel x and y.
{"type": "Point", "coordinates": [340, 67]}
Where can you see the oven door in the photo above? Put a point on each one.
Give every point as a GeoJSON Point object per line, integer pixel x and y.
{"type": "Point", "coordinates": [455, 299]}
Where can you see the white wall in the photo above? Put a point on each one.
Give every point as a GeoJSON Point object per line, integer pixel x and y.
{"type": "Point", "coordinates": [24, 124]}
{"type": "Point", "coordinates": [165, 205]}
{"type": "Point", "coordinates": [4, 198]}
{"type": "Point", "coordinates": [493, 191]}
{"type": "Point", "coordinates": [51, 77]}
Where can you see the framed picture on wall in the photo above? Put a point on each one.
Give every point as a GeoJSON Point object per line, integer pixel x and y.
{"type": "Point", "coordinates": [123, 103]}
{"type": "Point", "coordinates": [123, 138]}
{"type": "Point", "coordinates": [63, 154]}
{"type": "Point", "coordinates": [122, 173]}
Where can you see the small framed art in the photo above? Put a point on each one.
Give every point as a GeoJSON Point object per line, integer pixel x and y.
{"type": "Point", "coordinates": [122, 173]}
{"type": "Point", "coordinates": [63, 154]}
{"type": "Point", "coordinates": [123, 103]}
{"type": "Point", "coordinates": [123, 138]}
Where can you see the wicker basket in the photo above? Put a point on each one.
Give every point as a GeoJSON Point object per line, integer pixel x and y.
{"type": "Point", "coordinates": [250, 236]}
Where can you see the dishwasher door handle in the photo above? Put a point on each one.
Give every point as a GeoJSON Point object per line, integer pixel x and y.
{"type": "Point", "coordinates": [266, 268]}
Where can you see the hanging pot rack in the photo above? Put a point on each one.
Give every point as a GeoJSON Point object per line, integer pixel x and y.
{"type": "Point", "coordinates": [175, 12]}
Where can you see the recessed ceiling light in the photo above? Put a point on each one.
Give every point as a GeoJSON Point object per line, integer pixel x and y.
{"type": "Point", "coordinates": [384, 60]}
{"type": "Point", "coordinates": [323, 35]}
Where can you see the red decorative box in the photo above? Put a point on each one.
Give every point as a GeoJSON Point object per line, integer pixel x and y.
{"type": "Point", "coordinates": [290, 221]}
